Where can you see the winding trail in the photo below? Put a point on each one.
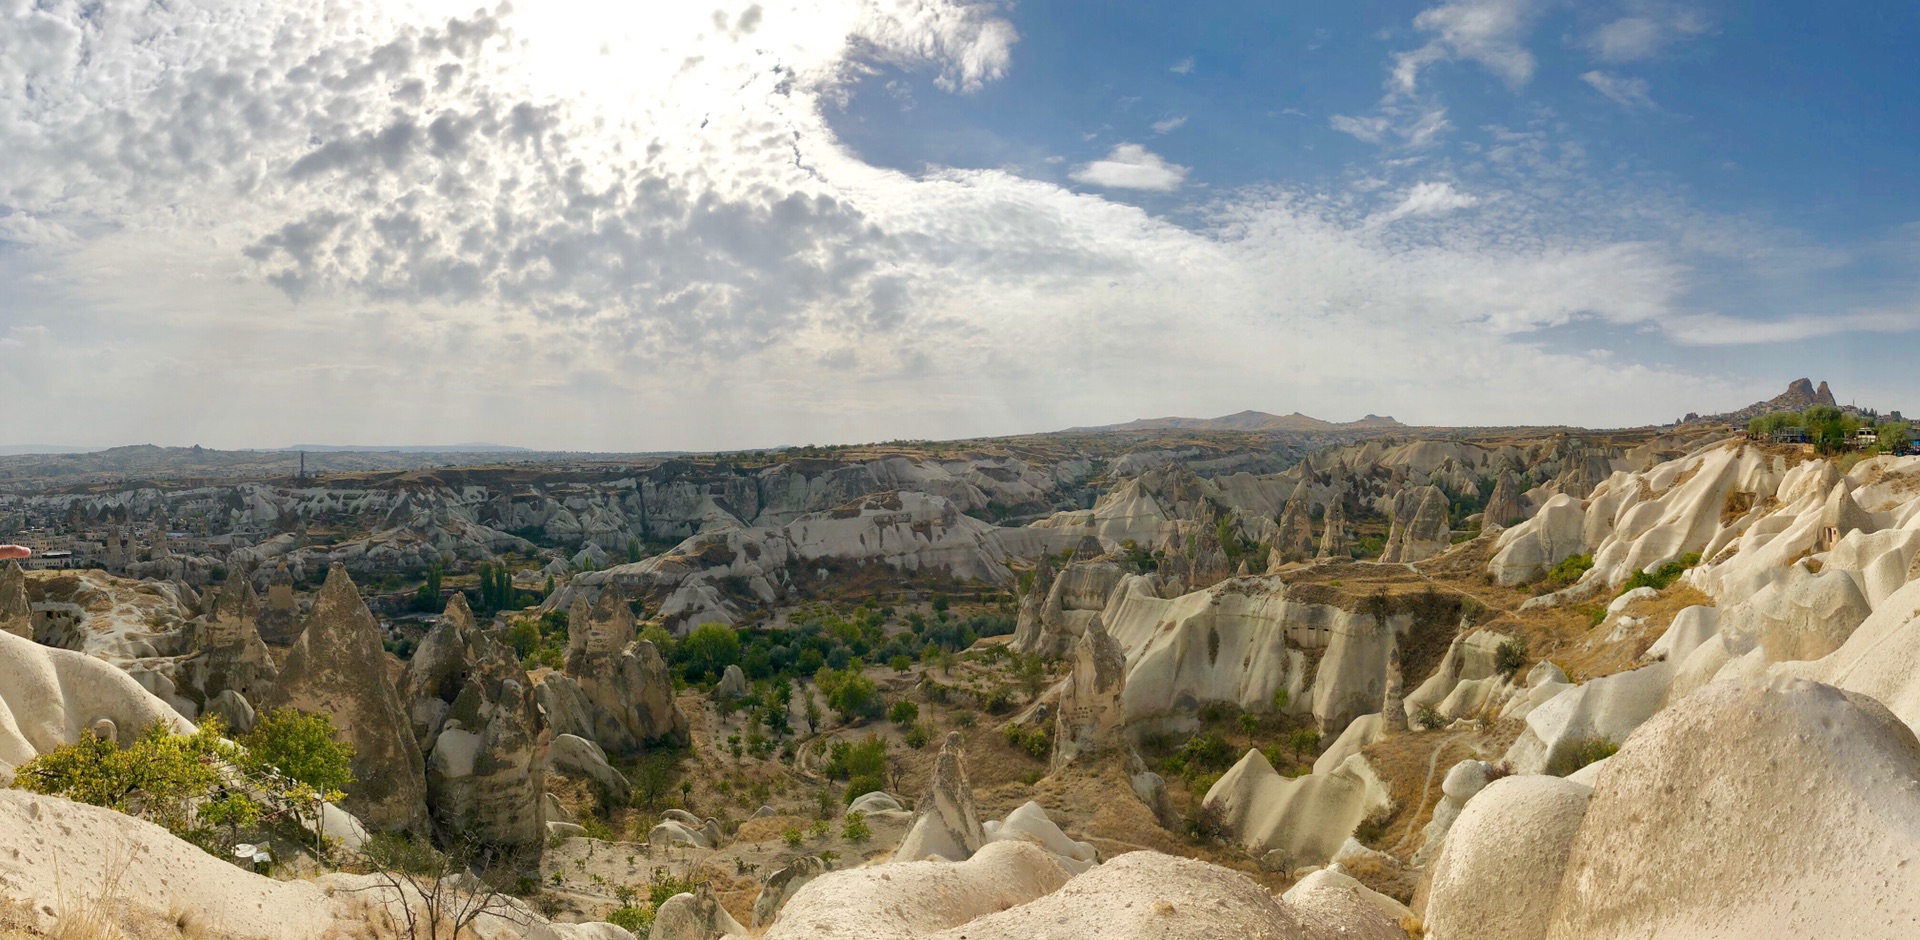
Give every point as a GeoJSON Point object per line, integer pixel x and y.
{"type": "Point", "coordinates": [1433, 765]}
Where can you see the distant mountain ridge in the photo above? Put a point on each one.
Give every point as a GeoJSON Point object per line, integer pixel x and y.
{"type": "Point", "coordinates": [1247, 421]}
{"type": "Point", "coordinates": [472, 448]}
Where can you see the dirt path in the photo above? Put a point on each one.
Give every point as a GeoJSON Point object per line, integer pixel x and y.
{"type": "Point", "coordinates": [1433, 766]}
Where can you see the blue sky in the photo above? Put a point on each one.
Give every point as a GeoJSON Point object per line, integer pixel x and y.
{"type": "Point", "coordinates": [652, 225]}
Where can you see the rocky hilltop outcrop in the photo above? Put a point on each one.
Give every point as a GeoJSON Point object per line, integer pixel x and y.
{"type": "Point", "coordinates": [231, 656]}
{"type": "Point", "coordinates": [1799, 396]}
{"type": "Point", "coordinates": [16, 613]}
{"type": "Point", "coordinates": [339, 668]}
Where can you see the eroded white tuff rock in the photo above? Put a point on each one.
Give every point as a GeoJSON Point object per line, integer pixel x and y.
{"type": "Point", "coordinates": [50, 697]}
{"type": "Point", "coordinates": [1295, 820]}
{"type": "Point", "coordinates": [1294, 539]}
{"type": "Point", "coordinates": [904, 900]}
{"type": "Point", "coordinates": [1335, 540]}
{"type": "Point", "coordinates": [16, 613]}
{"type": "Point", "coordinates": [946, 824]}
{"type": "Point", "coordinates": [1091, 715]}
{"type": "Point", "coordinates": [1241, 641]}
{"type": "Point", "coordinates": [1053, 616]}
{"type": "Point", "coordinates": [474, 717]}
{"type": "Point", "coordinates": [1504, 506]}
{"type": "Point", "coordinates": [1817, 845]}
{"type": "Point", "coordinates": [1499, 872]}
{"type": "Point", "coordinates": [339, 667]}
{"type": "Point", "coordinates": [616, 691]}
{"type": "Point", "coordinates": [696, 916]}
{"type": "Point", "coordinates": [782, 885]}
{"type": "Point", "coordinates": [578, 756]}
{"type": "Point", "coordinates": [279, 618]}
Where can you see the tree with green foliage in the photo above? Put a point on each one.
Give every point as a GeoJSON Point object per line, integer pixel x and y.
{"type": "Point", "coordinates": [159, 777]}
{"type": "Point", "coordinates": [427, 598]}
{"type": "Point", "coordinates": [298, 751]}
{"type": "Point", "coordinates": [855, 696]}
{"type": "Point", "coordinates": [903, 712]}
{"type": "Point", "coordinates": [708, 651]}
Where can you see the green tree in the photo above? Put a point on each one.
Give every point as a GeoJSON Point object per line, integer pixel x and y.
{"type": "Point", "coordinates": [159, 777]}
{"type": "Point", "coordinates": [299, 748]}
{"type": "Point", "coordinates": [855, 696]}
{"type": "Point", "coordinates": [709, 650]}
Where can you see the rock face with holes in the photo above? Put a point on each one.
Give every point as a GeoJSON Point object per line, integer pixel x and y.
{"type": "Point", "coordinates": [473, 715]}
{"type": "Point", "coordinates": [1092, 715]}
{"type": "Point", "coordinates": [616, 691]}
{"type": "Point", "coordinates": [338, 667]}
{"type": "Point", "coordinates": [947, 825]}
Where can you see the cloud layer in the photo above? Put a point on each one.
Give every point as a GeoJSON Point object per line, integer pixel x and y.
{"type": "Point", "coordinates": [246, 224]}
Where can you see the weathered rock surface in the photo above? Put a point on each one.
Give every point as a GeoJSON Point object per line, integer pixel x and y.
{"type": "Point", "coordinates": [1054, 616]}
{"type": "Point", "coordinates": [1817, 845]}
{"type": "Point", "coordinates": [16, 613]}
{"type": "Point", "coordinates": [579, 756]}
{"type": "Point", "coordinates": [947, 824]}
{"type": "Point", "coordinates": [231, 656]}
{"type": "Point", "coordinates": [782, 885]}
{"type": "Point", "coordinates": [616, 691]}
{"type": "Point", "coordinates": [911, 899]}
{"type": "Point", "coordinates": [474, 718]}
{"type": "Point", "coordinates": [1419, 530]}
{"type": "Point", "coordinates": [1092, 716]}
{"type": "Point", "coordinates": [50, 697]}
{"type": "Point", "coordinates": [339, 668]}
{"type": "Point", "coordinates": [696, 916]}
{"type": "Point", "coordinates": [1302, 819]}
{"type": "Point", "coordinates": [1500, 870]}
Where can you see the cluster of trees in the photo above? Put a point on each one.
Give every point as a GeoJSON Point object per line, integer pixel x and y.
{"type": "Point", "coordinates": [1832, 431]}
{"type": "Point", "coordinates": [820, 636]}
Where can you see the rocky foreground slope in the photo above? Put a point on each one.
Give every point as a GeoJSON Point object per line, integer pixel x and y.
{"type": "Point", "coordinates": [1675, 698]}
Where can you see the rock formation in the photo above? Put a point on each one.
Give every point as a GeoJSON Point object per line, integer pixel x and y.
{"type": "Point", "coordinates": [1294, 821]}
{"type": "Point", "coordinates": [1050, 625]}
{"type": "Point", "coordinates": [473, 715]}
{"type": "Point", "coordinates": [1503, 505]}
{"type": "Point", "coordinates": [279, 621]}
{"type": "Point", "coordinates": [782, 885]}
{"type": "Point", "coordinates": [231, 655]}
{"type": "Point", "coordinates": [1335, 540]}
{"type": "Point", "coordinates": [696, 916]}
{"type": "Point", "coordinates": [1500, 869]}
{"type": "Point", "coordinates": [50, 697]}
{"type": "Point", "coordinates": [1027, 628]}
{"type": "Point", "coordinates": [1294, 539]}
{"type": "Point", "coordinates": [1091, 716]}
{"type": "Point", "coordinates": [16, 614]}
{"type": "Point", "coordinates": [338, 667]}
{"type": "Point", "coordinates": [1393, 707]}
{"type": "Point", "coordinates": [1419, 529]}
{"type": "Point", "coordinates": [946, 825]}
{"type": "Point", "coordinates": [616, 691]}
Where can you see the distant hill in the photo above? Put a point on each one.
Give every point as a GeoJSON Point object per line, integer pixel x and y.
{"type": "Point", "coordinates": [1247, 421]}
{"type": "Point", "coordinates": [15, 450]}
{"type": "Point", "coordinates": [1799, 396]}
{"type": "Point", "coordinates": [474, 448]}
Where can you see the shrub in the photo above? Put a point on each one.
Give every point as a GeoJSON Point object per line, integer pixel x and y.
{"type": "Point", "coordinates": [792, 837]}
{"type": "Point", "coordinates": [964, 718]}
{"type": "Point", "coordinates": [1660, 577]}
{"type": "Point", "coordinates": [1580, 753]}
{"type": "Point", "coordinates": [1570, 570]}
{"type": "Point", "coordinates": [1304, 740]}
{"type": "Point", "coordinates": [1429, 718]}
{"type": "Point", "coordinates": [1206, 823]}
{"type": "Point", "coordinates": [903, 712]}
{"type": "Point", "coordinates": [856, 828]}
{"type": "Point", "coordinates": [1511, 657]}
{"type": "Point", "coordinates": [1036, 742]}
{"type": "Point", "coordinates": [636, 921]}
{"type": "Point", "coordinates": [1202, 752]}
{"type": "Point", "coordinates": [919, 735]}
{"type": "Point", "coordinates": [901, 662]}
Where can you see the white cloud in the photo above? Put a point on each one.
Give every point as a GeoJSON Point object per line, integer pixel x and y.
{"type": "Point", "coordinates": [1626, 92]}
{"type": "Point", "coordinates": [1182, 67]}
{"type": "Point", "coordinates": [1411, 126]}
{"type": "Point", "coordinates": [1712, 329]}
{"type": "Point", "coordinates": [1431, 199]}
{"type": "Point", "coordinates": [519, 238]}
{"type": "Point", "coordinates": [1131, 166]}
{"type": "Point", "coordinates": [1490, 32]}
{"type": "Point", "coordinates": [1169, 125]}
{"type": "Point", "coordinates": [1646, 33]}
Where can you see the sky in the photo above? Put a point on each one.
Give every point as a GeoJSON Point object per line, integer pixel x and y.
{"type": "Point", "coordinates": [707, 226]}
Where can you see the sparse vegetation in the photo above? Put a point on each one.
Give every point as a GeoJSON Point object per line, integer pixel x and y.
{"type": "Point", "coordinates": [1580, 753]}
